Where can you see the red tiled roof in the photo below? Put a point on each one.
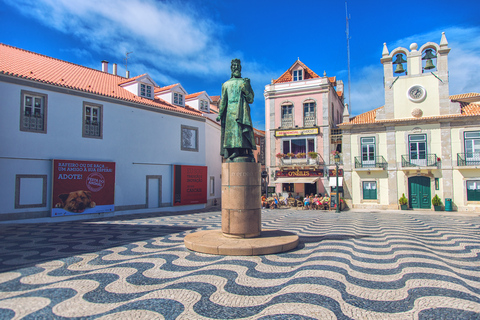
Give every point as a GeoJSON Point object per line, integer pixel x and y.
{"type": "Point", "coordinates": [39, 68]}
{"type": "Point", "coordinates": [127, 80]}
{"type": "Point", "coordinates": [215, 98]}
{"type": "Point", "coordinates": [472, 109]}
{"type": "Point", "coordinates": [193, 95]}
{"type": "Point", "coordinates": [465, 96]}
{"type": "Point", "coordinates": [157, 90]}
{"type": "Point", "coordinates": [287, 76]}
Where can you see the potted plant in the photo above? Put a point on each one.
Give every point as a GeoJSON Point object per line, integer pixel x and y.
{"type": "Point", "coordinates": [313, 155]}
{"type": "Point", "coordinates": [301, 155]}
{"type": "Point", "coordinates": [336, 155]}
{"type": "Point", "coordinates": [437, 203]}
{"type": "Point", "coordinates": [403, 202]}
{"type": "Point", "coordinates": [280, 155]}
{"type": "Point", "coordinates": [290, 155]}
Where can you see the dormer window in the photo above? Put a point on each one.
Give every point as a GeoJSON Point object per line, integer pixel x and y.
{"type": "Point", "coordinates": [297, 75]}
{"type": "Point", "coordinates": [146, 91]}
{"type": "Point", "coordinates": [178, 99]}
{"type": "Point", "coordinates": [204, 105]}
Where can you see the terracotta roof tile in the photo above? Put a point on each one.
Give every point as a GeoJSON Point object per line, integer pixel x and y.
{"type": "Point", "coordinates": [472, 109]}
{"type": "Point", "coordinates": [287, 75]}
{"type": "Point", "coordinates": [127, 80]}
{"type": "Point", "coordinates": [193, 95]}
{"type": "Point", "coordinates": [25, 64]}
{"type": "Point", "coordinates": [157, 90]}
{"type": "Point", "coordinates": [464, 96]}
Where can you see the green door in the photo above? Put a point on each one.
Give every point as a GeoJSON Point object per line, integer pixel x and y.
{"type": "Point", "coordinates": [419, 192]}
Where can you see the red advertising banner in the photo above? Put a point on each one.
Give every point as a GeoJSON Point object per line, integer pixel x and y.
{"type": "Point", "coordinates": [81, 187]}
{"type": "Point", "coordinates": [189, 185]}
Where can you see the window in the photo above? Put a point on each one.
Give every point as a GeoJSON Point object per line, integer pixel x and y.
{"type": "Point", "coordinates": [298, 146]}
{"type": "Point", "coordinates": [33, 112]}
{"type": "Point", "coordinates": [145, 90]}
{"type": "Point", "coordinates": [418, 149]}
{"type": "Point", "coordinates": [287, 116]}
{"type": "Point", "coordinates": [92, 120]}
{"type": "Point", "coordinates": [472, 146]}
{"type": "Point", "coordinates": [178, 99]}
{"type": "Point", "coordinates": [212, 186]}
{"type": "Point", "coordinates": [369, 190]}
{"type": "Point", "coordinates": [189, 138]}
{"type": "Point", "coordinates": [473, 190]}
{"type": "Point", "coordinates": [368, 150]}
{"type": "Point", "coordinates": [297, 75]}
{"type": "Point", "coordinates": [203, 105]}
{"type": "Point", "coordinates": [309, 114]}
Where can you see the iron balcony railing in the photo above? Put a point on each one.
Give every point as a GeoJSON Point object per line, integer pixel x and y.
{"type": "Point", "coordinates": [309, 121]}
{"type": "Point", "coordinates": [426, 160]}
{"type": "Point", "coordinates": [378, 162]}
{"type": "Point", "coordinates": [306, 161]}
{"type": "Point", "coordinates": [287, 123]}
{"type": "Point", "coordinates": [468, 159]}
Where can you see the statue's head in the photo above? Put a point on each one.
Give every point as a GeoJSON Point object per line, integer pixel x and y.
{"type": "Point", "coordinates": [236, 68]}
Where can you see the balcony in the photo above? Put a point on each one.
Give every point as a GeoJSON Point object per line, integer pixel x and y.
{"type": "Point", "coordinates": [469, 159]}
{"type": "Point", "coordinates": [378, 163]}
{"type": "Point", "coordinates": [287, 122]}
{"type": "Point", "coordinates": [309, 121]}
{"type": "Point", "coordinates": [301, 162]}
{"type": "Point", "coordinates": [428, 160]}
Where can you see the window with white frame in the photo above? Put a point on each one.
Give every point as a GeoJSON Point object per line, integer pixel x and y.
{"type": "Point", "coordinates": [473, 190]}
{"type": "Point", "coordinates": [309, 114]}
{"type": "Point", "coordinates": [369, 190]}
{"type": "Point", "coordinates": [33, 112]}
{"type": "Point", "coordinates": [297, 75]}
{"type": "Point", "coordinates": [472, 145]}
{"type": "Point", "coordinates": [368, 150]}
{"type": "Point", "coordinates": [146, 91]}
{"type": "Point", "coordinates": [178, 99]}
{"type": "Point", "coordinates": [203, 105]}
{"type": "Point", "coordinates": [92, 120]}
{"type": "Point", "coordinates": [287, 116]}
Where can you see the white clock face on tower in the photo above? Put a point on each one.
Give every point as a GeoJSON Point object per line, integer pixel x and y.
{"type": "Point", "coordinates": [416, 93]}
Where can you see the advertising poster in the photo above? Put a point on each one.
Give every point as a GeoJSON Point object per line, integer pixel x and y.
{"type": "Point", "coordinates": [189, 185]}
{"type": "Point", "coordinates": [81, 187]}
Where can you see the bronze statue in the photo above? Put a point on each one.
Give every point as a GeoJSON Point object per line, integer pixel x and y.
{"type": "Point", "coordinates": [237, 138]}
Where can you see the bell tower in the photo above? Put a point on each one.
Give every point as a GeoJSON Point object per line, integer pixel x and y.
{"type": "Point", "coordinates": [416, 81]}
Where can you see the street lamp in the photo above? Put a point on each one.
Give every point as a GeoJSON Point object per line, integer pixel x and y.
{"type": "Point", "coordinates": [265, 176]}
{"type": "Point", "coordinates": [336, 185]}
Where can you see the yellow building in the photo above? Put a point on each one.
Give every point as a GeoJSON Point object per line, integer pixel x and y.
{"type": "Point", "coordinates": [423, 142]}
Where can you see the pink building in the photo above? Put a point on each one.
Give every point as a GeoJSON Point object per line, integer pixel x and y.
{"type": "Point", "coordinates": [302, 111]}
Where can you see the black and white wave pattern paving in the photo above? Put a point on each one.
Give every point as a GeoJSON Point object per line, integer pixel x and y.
{"type": "Point", "coordinates": [352, 265]}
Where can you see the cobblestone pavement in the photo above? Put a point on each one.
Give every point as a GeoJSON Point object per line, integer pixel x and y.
{"type": "Point", "coordinates": [352, 265]}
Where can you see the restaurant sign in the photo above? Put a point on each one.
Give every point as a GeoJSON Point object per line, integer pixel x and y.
{"type": "Point", "coordinates": [299, 173]}
{"type": "Point", "coordinates": [333, 172]}
{"type": "Point", "coordinates": [296, 132]}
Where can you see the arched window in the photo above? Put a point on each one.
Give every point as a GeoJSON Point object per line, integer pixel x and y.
{"type": "Point", "coordinates": [429, 60]}
{"type": "Point", "coordinates": [399, 65]}
{"type": "Point", "coordinates": [309, 119]}
{"type": "Point", "coordinates": [287, 116]}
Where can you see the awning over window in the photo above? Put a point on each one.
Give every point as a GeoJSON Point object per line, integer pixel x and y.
{"type": "Point", "coordinates": [332, 181]}
{"type": "Point", "coordinates": [298, 180]}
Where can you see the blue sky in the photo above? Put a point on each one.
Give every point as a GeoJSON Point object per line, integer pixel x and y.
{"type": "Point", "coordinates": [193, 42]}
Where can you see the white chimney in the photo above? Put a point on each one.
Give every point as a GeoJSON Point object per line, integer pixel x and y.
{"type": "Point", "coordinates": [105, 66]}
{"type": "Point", "coordinates": [128, 74]}
{"type": "Point", "coordinates": [114, 72]}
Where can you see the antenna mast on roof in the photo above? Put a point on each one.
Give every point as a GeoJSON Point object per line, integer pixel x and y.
{"type": "Point", "coordinates": [348, 55]}
{"type": "Point", "coordinates": [126, 60]}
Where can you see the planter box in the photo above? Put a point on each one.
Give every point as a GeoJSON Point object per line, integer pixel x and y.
{"type": "Point", "coordinates": [404, 206]}
{"type": "Point", "coordinates": [438, 208]}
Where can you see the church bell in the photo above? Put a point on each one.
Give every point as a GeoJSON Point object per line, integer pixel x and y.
{"type": "Point", "coordinates": [429, 56]}
{"type": "Point", "coordinates": [398, 61]}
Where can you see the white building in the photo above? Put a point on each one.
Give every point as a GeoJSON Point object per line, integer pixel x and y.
{"type": "Point", "coordinates": [52, 109]}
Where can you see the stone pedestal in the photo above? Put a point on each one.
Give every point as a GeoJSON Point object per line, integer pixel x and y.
{"type": "Point", "coordinates": [241, 199]}
{"type": "Point", "coordinates": [241, 232]}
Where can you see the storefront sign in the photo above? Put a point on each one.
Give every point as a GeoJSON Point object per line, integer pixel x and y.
{"type": "Point", "coordinates": [296, 132]}
{"type": "Point", "coordinates": [333, 173]}
{"type": "Point", "coordinates": [189, 185]}
{"type": "Point", "coordinates": [82, 187]}
{"type": "Point", "coordinates": [299, 173]}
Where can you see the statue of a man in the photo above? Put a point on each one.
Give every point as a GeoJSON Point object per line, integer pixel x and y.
{"type": "Point", "coordinates": [237, 138]}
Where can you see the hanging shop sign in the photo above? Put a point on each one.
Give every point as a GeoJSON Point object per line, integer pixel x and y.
{"type": "Point", "coordinates": [189, 185]}
{"type": "Point", "coordinates": [296, 132]}
{"type": "Point", "coordinates": [333, 172]}
{"type": "Point", "coordinates": [299, 173]}
{"type": "Point", "coordinates": [82, 187]}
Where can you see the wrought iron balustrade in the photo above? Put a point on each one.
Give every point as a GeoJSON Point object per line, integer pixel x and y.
{"type": "Point", "coordinates": [427, 160]}
{"type": "Point", "coordinates": [468, 159]}
{"type": "Point", "coordinates": [309, 121]}
{"type": "Point", "coordinates": [378, 162]}
{"type": "Point", "coordinates": [287, 122]}
{"type": "Point", "coordinates": [306, 161]}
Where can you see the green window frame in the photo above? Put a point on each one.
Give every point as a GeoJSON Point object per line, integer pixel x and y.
{"type": "Point", "coordinates": [369, 190]}
{"type": "Point", "coordinates": [473, 190]}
